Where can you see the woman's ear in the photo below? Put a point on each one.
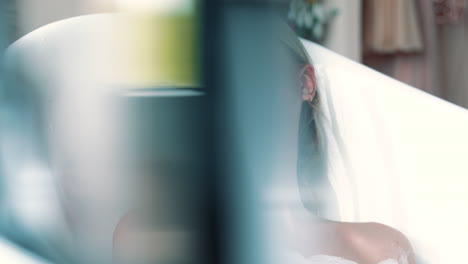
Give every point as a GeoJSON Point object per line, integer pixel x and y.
{"type": "Point", "coordinates": [309, 84]}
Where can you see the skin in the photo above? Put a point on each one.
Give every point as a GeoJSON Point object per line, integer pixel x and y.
{"type": "Point", "coordinates": [309, 83]}
{"type": "Point", "coordinates": [364, 243]}
{"type": "Point", "coordinates": [137, 241]}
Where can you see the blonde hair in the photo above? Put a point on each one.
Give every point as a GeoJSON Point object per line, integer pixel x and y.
{"type": "Point", "coordinates": [312, 143]}
{"type": "Point", "coordinates": [289, 38]}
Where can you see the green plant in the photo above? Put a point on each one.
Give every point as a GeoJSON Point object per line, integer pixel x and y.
{"type": "Point", "coordinates": [310, 18]}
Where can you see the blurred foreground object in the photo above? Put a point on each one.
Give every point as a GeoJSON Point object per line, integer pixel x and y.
{"type": "Point", "coordinates": [10, 253]}
{"type": "Point", "coordinates": [103, 115]}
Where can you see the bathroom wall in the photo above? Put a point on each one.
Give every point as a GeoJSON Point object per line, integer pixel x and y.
{"type": "Point", "coordinates": [345, 30]}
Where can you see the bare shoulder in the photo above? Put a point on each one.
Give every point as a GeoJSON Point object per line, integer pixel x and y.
{"type": "Point", "coordinates": [377, 242]}
{"type": "Point", "coordinates": [123, 229]}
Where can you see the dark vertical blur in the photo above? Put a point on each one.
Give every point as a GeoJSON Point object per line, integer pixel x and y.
{"type": "Point", "coordinates": [211, 76]}
{"type": "Point", "coordinates": [196, 157]}
{"type": "Point", "coordinates": [247, 111]}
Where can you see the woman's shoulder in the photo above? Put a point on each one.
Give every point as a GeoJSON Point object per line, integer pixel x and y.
{"type": "Point", "coordinates": [378, 242]}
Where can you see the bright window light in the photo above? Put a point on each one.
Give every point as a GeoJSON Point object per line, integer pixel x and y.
{"type": "Point", "coordinates": [164, 6]}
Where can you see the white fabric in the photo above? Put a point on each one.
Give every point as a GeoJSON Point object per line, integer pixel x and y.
{"type": "Point", "coordinates": [64, 61]}
{"type": "Point", "coordinates": [296, 258]}
{"type": "Point", "coordinates": [407, 152]}
{"type": "Point", "coordinates": [10, 253]}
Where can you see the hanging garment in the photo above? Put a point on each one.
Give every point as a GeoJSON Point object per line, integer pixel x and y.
{"type": "Point", "coordinates": [421, 69]}
{"type": "Point", "coordinates": [391, 27]}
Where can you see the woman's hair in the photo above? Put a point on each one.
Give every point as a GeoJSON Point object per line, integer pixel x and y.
{"type": "Point", "coordinates": [312, 147]}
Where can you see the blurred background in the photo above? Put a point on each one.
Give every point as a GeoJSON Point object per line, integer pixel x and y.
{"type": "Point", "coordinates": [420, 42]}
{"type": "Point", "coordinates": [423, 43]}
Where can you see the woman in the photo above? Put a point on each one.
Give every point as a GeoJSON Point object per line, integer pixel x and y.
{"type": "Point", "coordinates": [307, 237]}
{"type": "Point", "coordinates": [314, 239]}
